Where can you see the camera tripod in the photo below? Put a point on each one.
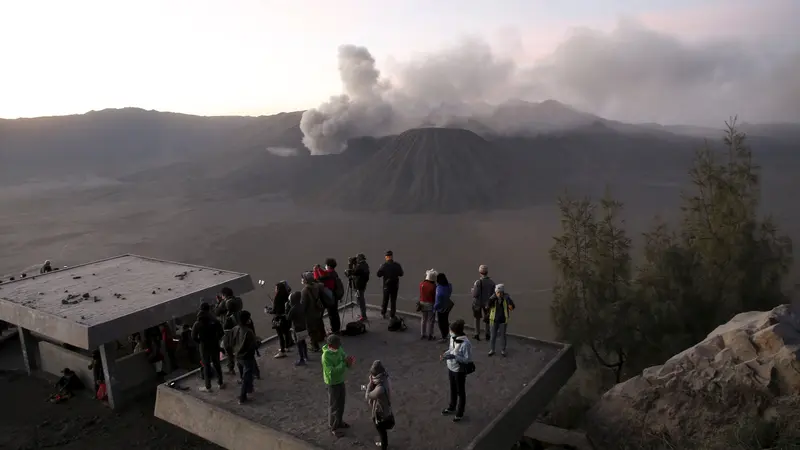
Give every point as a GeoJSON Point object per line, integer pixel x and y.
{"type": "Point", "coordinates": [351, 295]}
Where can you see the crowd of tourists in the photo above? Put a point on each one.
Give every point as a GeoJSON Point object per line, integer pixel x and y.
{"type": "Point", "coordinates": [298, 320]}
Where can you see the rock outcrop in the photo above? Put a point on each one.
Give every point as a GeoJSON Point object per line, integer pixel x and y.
{"type": "Point", "coordinates": [743, 370]}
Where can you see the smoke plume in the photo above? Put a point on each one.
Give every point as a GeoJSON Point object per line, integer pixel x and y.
{"type": "Point", "coordinates": [283, 151]}
{"type": "Point", "coordinates": [632, 74]}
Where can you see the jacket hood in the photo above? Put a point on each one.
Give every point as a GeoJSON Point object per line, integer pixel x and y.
{"type": "Point", "coordinates": [295, 298]}
{"type": "Point", "coordinates": [461, 339]}
{"type": "Point", "coordinates": [377, 368]}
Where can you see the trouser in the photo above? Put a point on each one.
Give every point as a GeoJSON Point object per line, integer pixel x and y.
{"type": "Point", "coordinates": [302, 349]}
{"type": "Point", "coordinates": [444, 323]}
{"type": "Point", "coordinates": [362, 302]}
{"type": "Point", "coordinates": [246, 373]}
{"type": "Point", "coordinates": [383, 433]}
{"type": "Point", "coordinates": [389, 299]}
{"type": "Point", "coordinates": [481, 315]}
{"type": "Point", "coordinates": [498, 330]}
{"type": "Point", "coordinates": [211, 363]}
{"type": "Point", "coordinates": [426, 323]}
{"type": "Point", "coordinates": [230, 361]}
{"type": "Point", "coordinates": [333, 318]}
{"type": "Point", "coordinates": [458, 392]}
{"type": "Point", "coordinates": [336, 398]}
{"type": "Point", "coordinates": [284, 337]}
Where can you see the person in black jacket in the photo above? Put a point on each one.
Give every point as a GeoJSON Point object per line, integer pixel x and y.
{"type": "Point", "coordinates": [244, 344]}
{"type": "Point", "coordinates": [391, 272]}
{"type": "Point", "coordinates": [359, 277]}
{"type": "Point", "coordinates": [279, 322]}
{"type": "Point", "coordinates": [207, 332]}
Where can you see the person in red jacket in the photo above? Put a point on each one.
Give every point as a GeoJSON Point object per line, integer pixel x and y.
{"type": "Point", "coordinates": [427, 297]}
{"type": "Point", "coordinates": [327, 277]}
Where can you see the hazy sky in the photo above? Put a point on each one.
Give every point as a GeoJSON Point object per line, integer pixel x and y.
{"type": "Point", "coordinates": [217, 57]}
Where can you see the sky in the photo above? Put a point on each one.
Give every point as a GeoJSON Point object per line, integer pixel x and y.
{"type": "Point", "coordinates": [253, 57]}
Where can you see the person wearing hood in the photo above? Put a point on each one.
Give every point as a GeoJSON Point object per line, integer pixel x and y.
{"type": "Point", "coordinates": [297, 318]}
{"type": "Point", "coordinates": [427, 297]}
{"type": "Point", "coordinates": [457, 356]}
{"type": "Point", "coordinates": [207, 332]}
{"type": "Point", "coordinates": [314, 310]}
{"type": "Point", "coordinates": [378, 395]}
{"type": "Point", "coordinates": [244, 345]}
{"type": "Point", "coordinates": [279, 322]}
{"type": "Point", "coordinates": [335, 363]}
{"type": "Point", "coordinates": [443, 304]}
{"type": "Point", "coordinates": [46, 267]}
{"type": "Point", "coordinates": [500, 307]}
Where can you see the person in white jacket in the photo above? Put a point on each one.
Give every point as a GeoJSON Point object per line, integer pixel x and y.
{"type": "Point", "coordinates": [458, 358]}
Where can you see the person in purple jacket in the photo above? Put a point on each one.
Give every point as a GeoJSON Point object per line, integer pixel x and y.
{"type": "Point", "coordinates": [443, 304]}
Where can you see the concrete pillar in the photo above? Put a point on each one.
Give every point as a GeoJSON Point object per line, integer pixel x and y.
{"type": "Point", "coordinates": [108, 354]}
{"type": "Point", "coordinates": [29, 349]}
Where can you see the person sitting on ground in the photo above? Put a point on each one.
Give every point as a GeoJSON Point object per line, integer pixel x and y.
{"type": "Point", "coordinates": [391, 271]}
{"type": "Point", "coordinates": [482, 289]}
{"type": "Point", "coordinates": [297, 317]}
{"type": "Point", "coordinates": [500, 307]}
{"type": "Point", "coordinates": [314, 310]}
{"type": "Point", "coordinates": [458, 355]}
{"type": "Point", "coordinates": [443, 304]}
{"type": "Point", "coordinates": [379, 398]}
{"type": "Point", "coordinates": [207, 333]}
{"type": "Point", "coordinates": [335, 363]}
{"type": "Point", "coordinates": [327, 277]}
{"type": "Point", "coordinates": [280, 323]}
{"type": "Point", "coordinates": [427, 297]}
{"type": "Point", "coordinates": [46, 267]}
{"type": "Point", "coordinates": [66, 386]}
{"type": "Point", "coordinates": [243, 342]}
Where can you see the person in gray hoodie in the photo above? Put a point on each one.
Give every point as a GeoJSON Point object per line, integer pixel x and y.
{"type": "Point", "coordinates": [297, 318]}
{"type": "Point", "coordinates": [457, 356]}
{"type": "Point", "coordinates": [482, 289]}
{"type": "Point", "coordinates": [378, 396]}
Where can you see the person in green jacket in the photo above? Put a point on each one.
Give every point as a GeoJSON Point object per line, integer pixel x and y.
{"type": "Point", "coordinates": [335, 363]}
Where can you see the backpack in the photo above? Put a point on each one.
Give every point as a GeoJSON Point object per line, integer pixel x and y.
{"type": "Point", "coordinates": [397, 324]}
{"type": "Point", "coordinates": [354, 328]}
{"type": "Point", "coordinates": [338, 289]}
{"type": "Point", "coordinates": [325, 298]}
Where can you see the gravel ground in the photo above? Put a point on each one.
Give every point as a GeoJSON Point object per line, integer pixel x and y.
{"type": "Point", "coordinates": [29, 421]}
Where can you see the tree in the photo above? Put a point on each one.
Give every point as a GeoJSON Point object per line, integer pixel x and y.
{"type": "Point", "coordinates": [592, 293]}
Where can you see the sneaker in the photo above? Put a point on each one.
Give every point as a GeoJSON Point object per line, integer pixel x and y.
{"type": "Point", "coordinates": [362, 318]}
{"type": "Point", "coordinates": [491, 352]}
{"type": "Point", "coordinates": [280, 354]}
{"type": "Point", "coordinates": [383, 315]}
{"type": "Point", "coordinates": [431, 338]}
{"type": "Point", "coordinates": [422, 338]}
{"type": "Point", "coordinates": [457, 418]}
{"type": "Point", "coordinates": [488, 338]}
{"type": "Point", "coordinates": [477, 337]}
{"type": "Point", "coordinates": [242, 402]}
{"type": "Point", "coordinates": [378, 443]}
{"type": "Point", "coordinates": [447, 411]}
{"type": "Point", "coordinates": [337, 433]}
{"type": "Point", "coordinates": [503, 353]}
{"type": "Point", "coordinates": [300, 362]}
{"type": "Point", "coordinates": [204, 389]}
{"type": "Point", "coordinates": [221, 386]}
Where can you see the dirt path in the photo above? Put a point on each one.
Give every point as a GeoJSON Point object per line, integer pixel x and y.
{"type": "Point", "coordinates": [29, 421]}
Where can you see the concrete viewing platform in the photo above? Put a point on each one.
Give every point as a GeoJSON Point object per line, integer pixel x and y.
{"type": "Point", "coordinates": [92, 306]}
{"type": "Point", "coordinates": [96, 303]}
{"type": "Point", "coordinates": [288, 410]}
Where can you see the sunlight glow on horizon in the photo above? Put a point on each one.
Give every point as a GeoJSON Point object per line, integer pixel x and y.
{"type": "Point", "coordinates": [255, 57]}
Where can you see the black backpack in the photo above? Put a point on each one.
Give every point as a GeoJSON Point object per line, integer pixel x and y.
{"type": "Point", "coordinates": [397, 324]}
{"type": "Point", "coordinates": [338, 289]}
{"type": "Point", "coordinates": [354, 328]}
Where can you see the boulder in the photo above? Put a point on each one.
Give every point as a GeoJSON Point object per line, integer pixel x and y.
{"type": "Point", "coordinates": [741, 370]}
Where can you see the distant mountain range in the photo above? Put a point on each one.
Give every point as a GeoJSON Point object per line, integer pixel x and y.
{"type": "Point", "coordinates": [539, 148]}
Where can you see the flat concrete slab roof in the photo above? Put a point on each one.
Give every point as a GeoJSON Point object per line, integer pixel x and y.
{"type": "Point", "coordinates": [288, 409]}
{"type": "Point", "coordinates": [96, 303]}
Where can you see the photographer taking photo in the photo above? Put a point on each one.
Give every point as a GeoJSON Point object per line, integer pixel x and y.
{"type": "Point", "coordinates": [358, 275]}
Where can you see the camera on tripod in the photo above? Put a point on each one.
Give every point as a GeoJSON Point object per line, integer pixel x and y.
{"type": "Point", "coordinates": [352, 262]}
